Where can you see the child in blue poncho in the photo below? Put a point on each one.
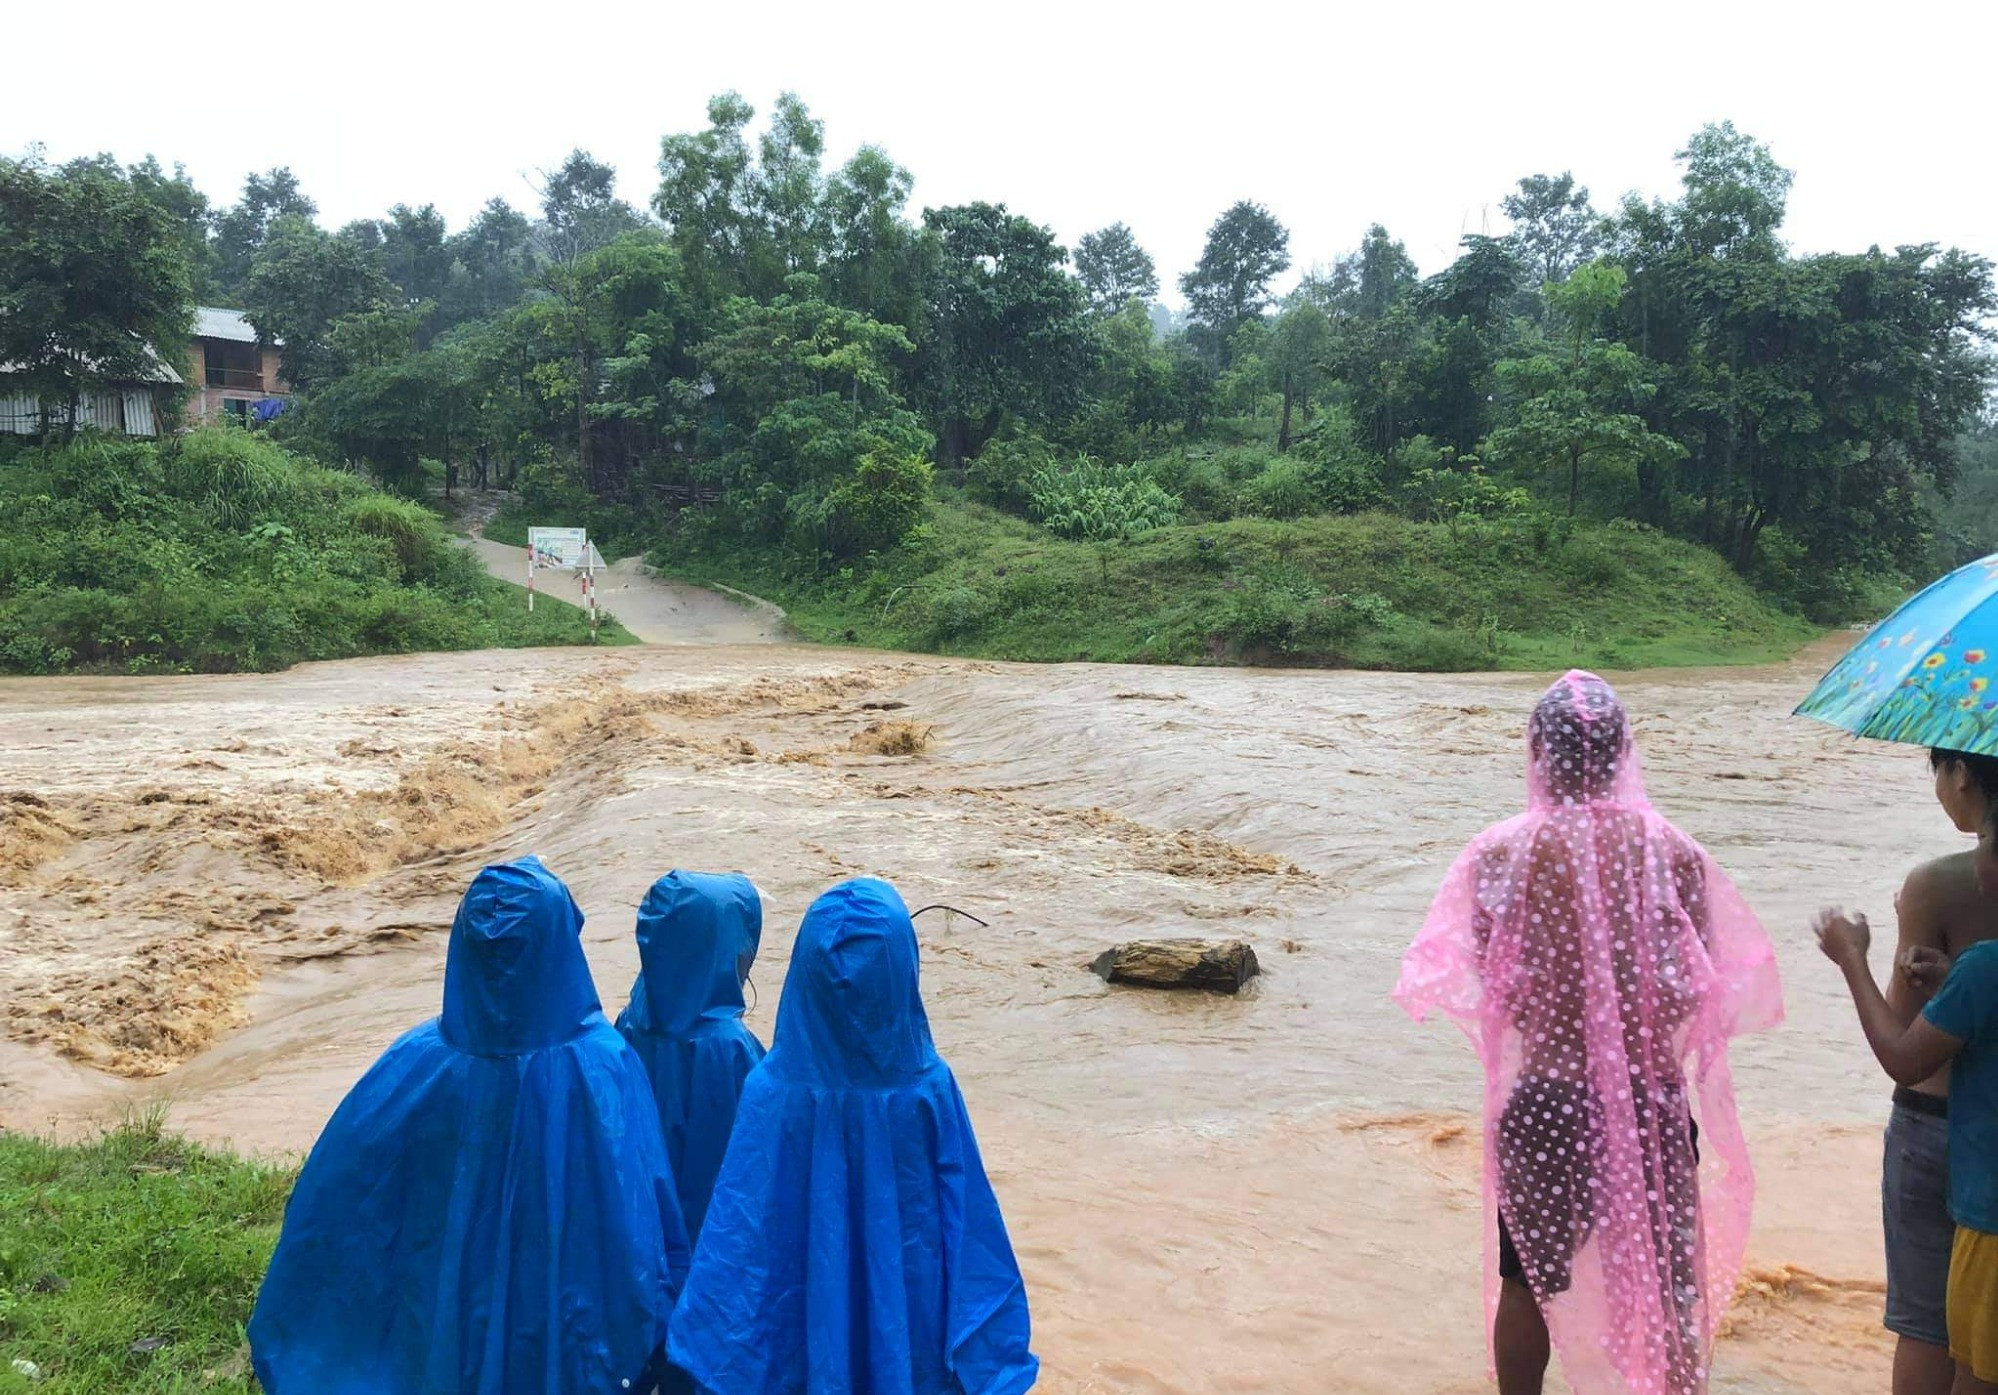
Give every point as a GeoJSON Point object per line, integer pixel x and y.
{"type": "Point", "coordinates": [853, 1245]}
{"type": "Point", "coordinates": [490, 1210]}
{"type": "Point", "coordinates": [697, 938]}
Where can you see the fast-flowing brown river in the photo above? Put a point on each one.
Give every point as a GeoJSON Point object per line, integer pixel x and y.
{"type": "Point", "coordinates": [230, 893]}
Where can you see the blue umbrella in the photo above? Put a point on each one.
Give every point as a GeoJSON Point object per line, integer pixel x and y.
{"type": "Point", "coordinates": [1924, 675]}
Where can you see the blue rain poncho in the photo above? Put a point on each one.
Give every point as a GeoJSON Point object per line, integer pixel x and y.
{"type": "Point", "coordinates": [697, 937]}
{"type": "Point", "coordinates": [490, 1210]}
{"type": "Point", "coordinates": [853, 1245]}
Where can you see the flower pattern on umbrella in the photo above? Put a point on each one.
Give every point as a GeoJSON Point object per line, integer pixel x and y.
{"type": "Point", "coordinates": [1923, 676]}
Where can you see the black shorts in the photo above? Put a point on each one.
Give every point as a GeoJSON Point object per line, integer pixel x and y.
{"type": "Point", "coordinates": [1552, 1120]}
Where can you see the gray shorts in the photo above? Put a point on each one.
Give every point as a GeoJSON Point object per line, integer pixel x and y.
{"type": "Point", "coordinates": [1914, 1213]}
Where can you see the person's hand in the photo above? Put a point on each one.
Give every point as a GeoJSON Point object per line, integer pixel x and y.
{"type": "Point", "coordinates": [1844, 939]}
{"type": "Point", "coordinates": [1924, 967]}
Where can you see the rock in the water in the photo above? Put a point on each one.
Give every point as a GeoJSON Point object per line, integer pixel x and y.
{"type": "Point", "coordinates": [1217, 966]}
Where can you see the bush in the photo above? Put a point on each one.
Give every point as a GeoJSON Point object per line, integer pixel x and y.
{"type": "Point", "coordinates": [880, 506]}
{"type": "Point", "coordinates": [1002, 474]}
{"type": "Point", "coordinates": [408, 528]}
{"type": "Point", "coordinates": [231, 474]}
{"type": "Point", "coordinates": [220, 552]}
{"type": "Point", "coordinates": [1092, 502]}
{"type": "Point", "coordinates": [1288, 489]}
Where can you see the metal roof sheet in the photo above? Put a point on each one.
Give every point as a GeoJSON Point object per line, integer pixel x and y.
{"type": "Point", "coordinates": [213, 323]}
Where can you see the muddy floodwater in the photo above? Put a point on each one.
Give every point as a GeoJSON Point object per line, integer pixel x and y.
{"type": "Point", "coordinates": [230, 893]}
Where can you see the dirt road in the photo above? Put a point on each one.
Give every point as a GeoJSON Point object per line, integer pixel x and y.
{"type": "Point", "coordinates": [656, 610]}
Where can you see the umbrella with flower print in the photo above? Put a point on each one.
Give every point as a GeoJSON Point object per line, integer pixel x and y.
{"type": "Point", "coordinates": [1924, 675]}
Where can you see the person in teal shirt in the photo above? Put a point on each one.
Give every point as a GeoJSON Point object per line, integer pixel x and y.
{"type": "Point", "coordinates": [1958, 1028]}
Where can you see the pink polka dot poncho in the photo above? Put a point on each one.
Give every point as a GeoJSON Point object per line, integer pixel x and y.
{"type": "Point", "coordinates": [1600, 962]}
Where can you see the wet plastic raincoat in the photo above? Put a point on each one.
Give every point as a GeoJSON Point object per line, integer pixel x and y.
{"type": "Point", "coordinates": [853, 1245]}
{"type": "Point", "coordinates": [1600, 963]}
{"type": "Point", "coordinates": [490, 1210]}
{"type": "Point", "coordinates": [697, 937]}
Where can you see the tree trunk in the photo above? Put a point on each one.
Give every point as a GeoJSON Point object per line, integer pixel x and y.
{"type": "Point", "coordinates": [1283, 432]}
{"type": "Point", "coordinates": [1574, 477]}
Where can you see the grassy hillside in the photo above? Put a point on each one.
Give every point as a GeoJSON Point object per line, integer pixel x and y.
{"type": "Point", "coordinates": [1364, 590]}
{"type": "Point", "coordinates": [219, 551]}
{"type": "Point", "coordinates": [130, 1263]}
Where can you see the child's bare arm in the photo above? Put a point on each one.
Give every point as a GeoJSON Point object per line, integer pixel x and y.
{"type": "Point", "coordinates": [1919, 916]}
{"type": "Point", "coordinates": [1908, 1052]}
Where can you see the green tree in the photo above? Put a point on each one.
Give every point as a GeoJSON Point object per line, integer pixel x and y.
{"type": "Point", "coordinates": [391, 415]}
{"type": "Point", "coordinates": [819, 450]}
{"type": "Point", "coordinates": [707, 200]}
{"type": "Point", "coordinates": [305, 280]}
{"type": "Point", "coordinates": [415, 254]}
{"type": "Point", "coordinates": [1554, 229]}
{"type": "Point", "coordinates": [1736, 193]}
{"type": "Point", "coordinates": [1577, 402]}
{"type": "Point", "coordinates": [1385, 274]}
{"type": "Point", "coordinates": [789, 193]}
{"type": "Point", "coordinates": [580, 210]}
{"type": "Point", "coordinates": [490, 262]}
{"type": "Point", "coordinates": [608, 341]}
{"type": "Point", "coordinates": [1300, 344]}
{"type": "Point", "coordinates": [873, 256]}
{"type": "Point", "coordinates": [187, 206]}
{"type": "Point", "coordinates": [94, 286]}
{"type": "Point", "coordinates": [241, 229]}
{"type": "Point", "coordinates": [1006, 329]}
{"type": "Point", "coordinates": [1114, 269]}
{"type": "Point", "coordinates": [1246, 249]}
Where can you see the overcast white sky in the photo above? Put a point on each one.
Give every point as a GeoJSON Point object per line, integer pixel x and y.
{"type": "Point", "coordinates": [1419, 114]}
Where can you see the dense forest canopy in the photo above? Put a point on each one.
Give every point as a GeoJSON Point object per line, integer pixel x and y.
{"type": "Point", "coordinates": [779, 355]}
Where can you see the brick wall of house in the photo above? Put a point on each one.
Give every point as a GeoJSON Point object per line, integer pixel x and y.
{"type": "Point", "coordinates": [205, 403]}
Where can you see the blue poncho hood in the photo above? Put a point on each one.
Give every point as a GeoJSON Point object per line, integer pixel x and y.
{"type": "Point", "coordinates": [515, 979]}
{"type": "Point", "coordinates": [853, 1242]}
{"type": "Point", "coordinates": [697, 938]}
{"type": "Point", "coordinates": [490, 1210]}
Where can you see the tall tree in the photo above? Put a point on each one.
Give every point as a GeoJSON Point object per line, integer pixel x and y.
{"type": "Point", "coordinates": [490, 263]}
{"type": "Point", "coordinates": [241, 229]}
{"type": "Point", "coordinates": [1384, 274]}
{"type": "Point", "coordinates": [1005, 331]}
{"type": "Point", "coordinates": [188, 207]}
{"type": "Point", "coordinates": [1553, 228]}
{"type": "Point", "coordinates": [413, 253]}
{"type": "Point", "coordinates": [707, 200]}
{"type": "Point", "coordinates": [1246, 249]}
{"type": "Point", "coordinates": [1114, 269]}
{"type": "Point", "coordinates": [1736, 193]}
{"type": "Point", "coordinates": [94, 283]}
{"type": "Point", "coordinates": [580, 209]}
{"type": "Point", "coordinates": [872, 254]}
{"type": "Point", "coordinates": [789, 190]}
{"type": "Point", "coordinates": [303, 281]}
{"type": "Point", "coordinates": [1478, 285]}
{"type": "Point", "coordinates": [1300, 343]}
{"type": "Point", "coordinates": [1578, 400]}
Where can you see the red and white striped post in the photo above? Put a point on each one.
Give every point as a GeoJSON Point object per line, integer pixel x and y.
{"type": "Point", "coordinates": [530, 578]}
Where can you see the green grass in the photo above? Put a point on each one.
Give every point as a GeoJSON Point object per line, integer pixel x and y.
{"type": "Point", "coordinates": [130, 1264]}
{"type": "Point", "coordinates": [1366, 591]}
{"type": "Point", "coordinates": [219, 551]}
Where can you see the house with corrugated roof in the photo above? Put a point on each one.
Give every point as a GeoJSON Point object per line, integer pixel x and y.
{"type": "Point", "coordinates": [233, 372]}
{"type": "Point", "coordinates": [234, 377]}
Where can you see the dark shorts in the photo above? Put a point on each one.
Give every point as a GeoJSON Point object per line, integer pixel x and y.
{"type": "Point", "coordinates": [1552, 1118]}
{"type": "Point", "coordinates": [1914, 1214]}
